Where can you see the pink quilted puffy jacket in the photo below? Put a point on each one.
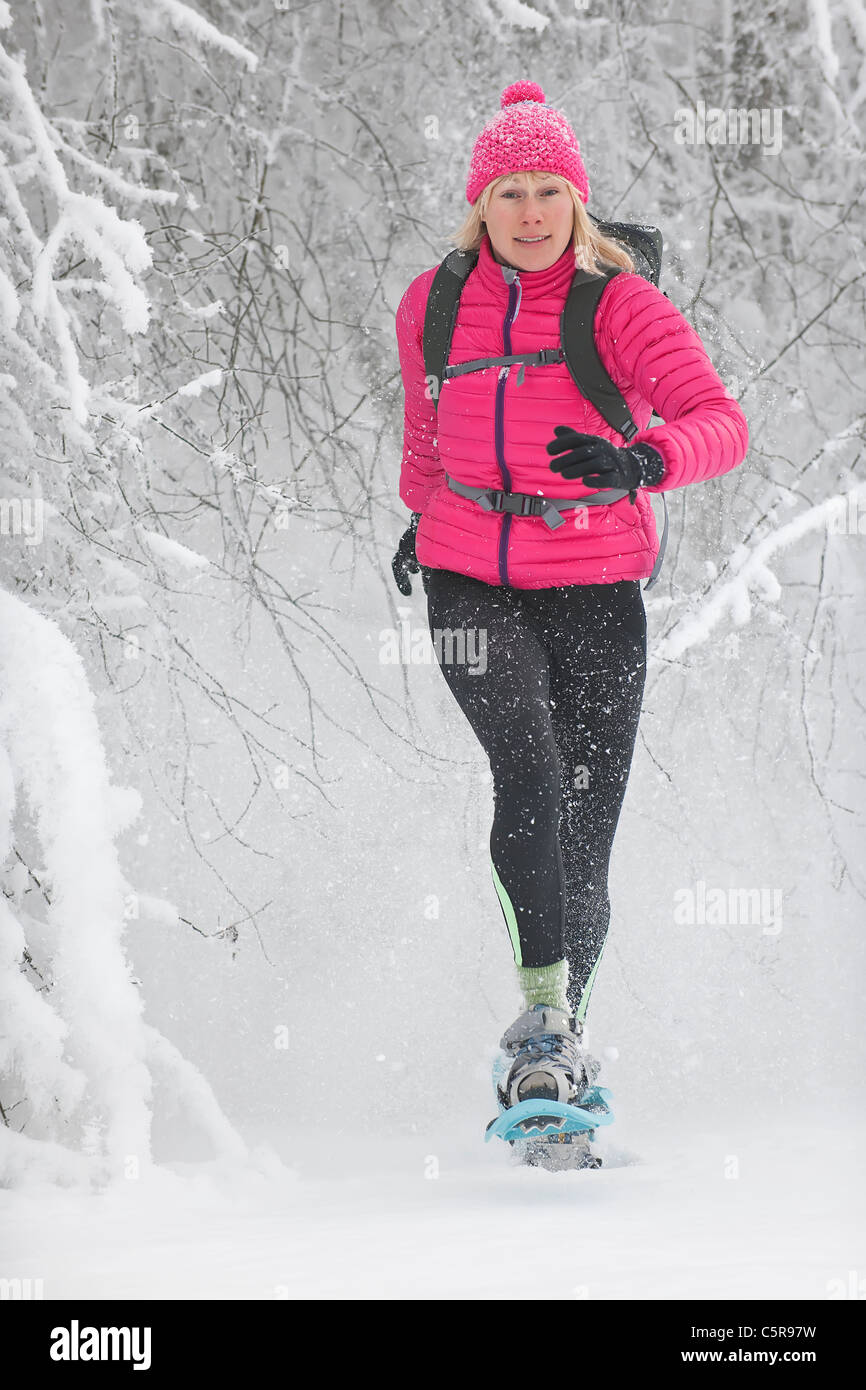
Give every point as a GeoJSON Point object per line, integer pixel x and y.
{"type": "Point", "coordinates": [652, 354]}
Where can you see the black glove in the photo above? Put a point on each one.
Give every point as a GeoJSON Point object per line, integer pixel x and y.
{"type": "Point", "coordinates": [600, 464]}
{"type": "Point", "coordinates": [405, 562]}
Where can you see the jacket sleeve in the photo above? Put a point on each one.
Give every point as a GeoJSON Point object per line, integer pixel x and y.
{"type": "Point", "coordinates": [653, 346]}
{"type": "Point", "coordinates": [420, 472]}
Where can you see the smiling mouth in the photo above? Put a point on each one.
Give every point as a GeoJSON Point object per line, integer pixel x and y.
{"type": "Point", "coordinates": [532, 240]}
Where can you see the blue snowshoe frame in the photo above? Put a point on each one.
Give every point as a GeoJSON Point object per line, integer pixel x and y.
{"type": "Point", "coordinates": [534, 1119]}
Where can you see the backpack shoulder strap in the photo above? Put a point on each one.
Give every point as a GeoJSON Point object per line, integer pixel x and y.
{"type": "Point", "coordinates": [581, 355]}
{"type": "Point", "coordinates": [645, 245]}
{"type": "Point", "coordinates": [441, 314]}
{"type": "Point", "coordinates": [588, 372]}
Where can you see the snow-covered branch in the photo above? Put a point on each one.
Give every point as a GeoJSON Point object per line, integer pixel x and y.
{"type": "Point", "coordinates": [117, 245]}
{"type": "Point", "coordinates": [188, 21]}
{"type": "Point", "coordinates": [751, 573]}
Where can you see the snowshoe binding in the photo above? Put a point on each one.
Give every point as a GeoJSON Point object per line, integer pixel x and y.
{"type": "Point", "coordinates": [549, 1105]}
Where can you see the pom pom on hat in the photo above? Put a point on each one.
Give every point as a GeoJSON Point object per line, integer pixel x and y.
{"type": "Point", "coordinates": [522, 91]}
{"type": "Point", "coordinates": [526, 134]}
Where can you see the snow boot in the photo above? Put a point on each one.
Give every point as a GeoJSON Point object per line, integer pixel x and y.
{"type": "Point", "coordinates": [548, 1058]}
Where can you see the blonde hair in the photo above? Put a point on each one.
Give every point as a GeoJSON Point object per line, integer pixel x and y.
{"type": "Point", "coordinates": [592, 250]}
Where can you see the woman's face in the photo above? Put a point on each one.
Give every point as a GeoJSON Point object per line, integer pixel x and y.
{"type": "Point", "coordinates": [530, 222]}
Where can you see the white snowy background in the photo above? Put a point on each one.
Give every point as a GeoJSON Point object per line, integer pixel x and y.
{"type": "Point", "coordinates": [252, 967]}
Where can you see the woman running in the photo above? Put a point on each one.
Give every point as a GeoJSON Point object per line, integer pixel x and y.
{"type": "Point", "coordinates": [551, 592]}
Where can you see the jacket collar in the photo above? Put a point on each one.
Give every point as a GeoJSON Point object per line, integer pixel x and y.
{"type": "Point", "coordinates": [535, 284]}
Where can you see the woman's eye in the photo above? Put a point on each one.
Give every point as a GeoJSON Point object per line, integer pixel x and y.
{"type": "Point", "coordinates": [515, 192]}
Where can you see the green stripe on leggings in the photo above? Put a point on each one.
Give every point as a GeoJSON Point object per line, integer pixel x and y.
{"type": "Point", "coordinates": [510, 918]}
{"type": "Point", "coordinates": [587, 989]}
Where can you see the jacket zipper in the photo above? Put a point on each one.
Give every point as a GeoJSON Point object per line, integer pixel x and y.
{"type": "Point", "coordinates": [514, 297]}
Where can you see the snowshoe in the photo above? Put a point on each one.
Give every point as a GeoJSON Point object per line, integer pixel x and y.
{"type": "Point", "coordinates": [549, 1106]}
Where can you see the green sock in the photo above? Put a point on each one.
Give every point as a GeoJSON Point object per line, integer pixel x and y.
{"type": "Point", "coordinates": [545, 984]}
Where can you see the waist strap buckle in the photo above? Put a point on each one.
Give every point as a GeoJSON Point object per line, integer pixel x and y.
{"type": "Point", "coordinates": [521, 504]}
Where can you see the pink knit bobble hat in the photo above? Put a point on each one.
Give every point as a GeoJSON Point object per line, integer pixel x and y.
{"type": "Point", "coordinates": [526, 134]}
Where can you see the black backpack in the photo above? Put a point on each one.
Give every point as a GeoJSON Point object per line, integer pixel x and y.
{"type": "Point", "coordinates": [577, 339]}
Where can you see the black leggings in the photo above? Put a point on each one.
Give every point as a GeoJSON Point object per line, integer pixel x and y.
{"type": "Point", "coordinates": [551, 681]}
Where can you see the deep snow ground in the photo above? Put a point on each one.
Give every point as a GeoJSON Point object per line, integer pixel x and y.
{"type": "Point", "coordinates": [367, 1218]}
